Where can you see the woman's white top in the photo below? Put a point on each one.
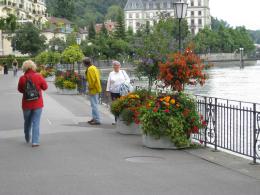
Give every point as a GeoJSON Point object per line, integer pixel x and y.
{"type": "Point", "coordinates": [115, 79]}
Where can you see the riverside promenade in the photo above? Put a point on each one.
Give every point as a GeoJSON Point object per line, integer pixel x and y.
{"type": "Point", "coordinates": [77, 159]}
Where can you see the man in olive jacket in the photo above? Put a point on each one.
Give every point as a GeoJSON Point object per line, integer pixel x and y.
{"type": "Point", "coordinates": [94, 88]}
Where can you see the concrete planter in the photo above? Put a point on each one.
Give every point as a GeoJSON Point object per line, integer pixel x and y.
{"type": "Point", "coordinates": [67, 91]}
{"type": "Point", "coordinates": [132, 129]}
{"type": "Point", "coordinates": [162, 143]}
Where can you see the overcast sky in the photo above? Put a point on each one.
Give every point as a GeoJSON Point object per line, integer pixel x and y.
{"type": "Point", "coordinates": [237, 12]}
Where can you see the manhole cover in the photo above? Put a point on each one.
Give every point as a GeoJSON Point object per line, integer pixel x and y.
{"type": "Point", "coordinates": [144, 159]}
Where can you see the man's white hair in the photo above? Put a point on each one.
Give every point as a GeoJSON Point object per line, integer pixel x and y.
{"type": "Point", "coordinates": [29, 64]}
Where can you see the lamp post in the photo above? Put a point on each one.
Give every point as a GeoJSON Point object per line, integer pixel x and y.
{"type": "Point", "coordinates": [241, 57]}
{"type": "Point", "coordinates": [180, 11]}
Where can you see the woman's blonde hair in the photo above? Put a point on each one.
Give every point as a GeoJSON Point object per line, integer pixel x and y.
{"type": "Point", "coordinates": [29, 64]}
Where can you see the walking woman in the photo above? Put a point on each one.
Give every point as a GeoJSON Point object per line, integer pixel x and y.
{"type": "Point", "coordinates": [32, 109]}
{"type": "Point", "coordinates": [15, 67]}
{"type": "Point", "coordinates": [115, 79]}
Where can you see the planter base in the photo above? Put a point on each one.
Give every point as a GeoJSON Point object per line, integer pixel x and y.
{"type": "Point", "coordinates": [162, 143]}
{"type": "Point", "coordinates": [132, 129]}
{"type": "Point", "coordinates": [67, 91]}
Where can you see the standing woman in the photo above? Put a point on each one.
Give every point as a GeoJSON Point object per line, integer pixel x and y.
{"type": "Point", "coordinates": [115, 79]}
{"type": "Point", "coordinates": [32, 109]}
{"type": "Point", "coordinates": [15, 67]}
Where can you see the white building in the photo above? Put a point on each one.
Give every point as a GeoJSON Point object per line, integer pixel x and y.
{"type": "Point", "coordinates": [26, 11]}
{"type": "Point", "coordinates": [139, 12]}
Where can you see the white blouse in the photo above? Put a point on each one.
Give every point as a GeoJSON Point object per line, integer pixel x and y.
{"type": "Point", "coordinates": [115, 79]}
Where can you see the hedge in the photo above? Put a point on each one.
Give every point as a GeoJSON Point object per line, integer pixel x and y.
{"type": "Point", "coordinates": [9, 60]}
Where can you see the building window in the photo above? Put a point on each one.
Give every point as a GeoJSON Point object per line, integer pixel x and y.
{"type": "Point", "coordinates": [147, 15]}
{"type": "Point", "coordinates": [193, 31]}
{"type": "Point", "coordinates": [130, 15]}
{"type": "Point", "coordinates": [199, 13]}
{"type": "Point", "coordinates": [150, 5]}
{"type": "Point", "coordinates": [165, 5]}
{"type": "Point", "coordinates": [192, 3]}
{"type": "Point", "coordinates": [199, 2]}
{"type": "Point", "coordinates": [137, 15]}
{"type": "Point", "coordinates": [192, 13]}
{"type": "Point", "coordinates": [192, 22]}
{"type": "Point", "coordinates": [200, 21]}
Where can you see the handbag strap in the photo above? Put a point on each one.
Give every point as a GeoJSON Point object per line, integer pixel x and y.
{"type": "Point", "coordinates": [123, 74]}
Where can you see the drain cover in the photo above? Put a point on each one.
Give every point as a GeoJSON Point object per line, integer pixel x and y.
{"type": "Point", "coordinates": [144, 159]}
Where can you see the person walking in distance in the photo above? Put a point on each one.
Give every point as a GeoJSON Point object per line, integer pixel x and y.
{"type": "Point", "coordinates": [94, 89]}
{"type": "Point", "coordinates": [115, 79]}
{"type": "Point", "coordinates": [31, 85]}
{"type": "Point", "coordinates": [15, 67]}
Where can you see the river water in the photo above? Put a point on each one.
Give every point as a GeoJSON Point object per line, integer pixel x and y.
{"type": "Point", "coordinates": [227, 80]}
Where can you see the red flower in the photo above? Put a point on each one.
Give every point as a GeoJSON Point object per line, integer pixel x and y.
{"type": "Point", "coordinates": [195, 129]}
{"type": "Point", "coordinates": [167, 111]}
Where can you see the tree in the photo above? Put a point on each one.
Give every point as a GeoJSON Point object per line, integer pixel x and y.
{"type": "Point", "coordinates": [64, 9]}
{"type": "Point", "coordinates": [120, 26]}
{"type": "Point", "coordinates": [71, 39]}
{"type": "Point", "coordinates": [48, 57]}
{"type": "Point", "coordinates": [28, 40]}
{"type": "Point", "coordinates": [91, 31]}
{"type": "Point", "coordinates": [57, 44]}
{"type": "Point", "coordinates": [103, 31]}
{"type": "Point", "coordinates": [113, 12]}
{"type": "Point", "coordinates": [72, 54]}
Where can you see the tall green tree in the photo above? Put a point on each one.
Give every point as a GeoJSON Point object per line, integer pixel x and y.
{"type": "Point", "coordinates": [64, 9]}
{"type": "Point", "coordinates": [91, 31]}
{"type": "Point", "coordinates": [57, 44]}
{"type": "Point", "coordinates": [113, 12]}
{"type": "Point", "coordinates": [28, 40]}
{"type": "Point", "coordinates": [120, 32]}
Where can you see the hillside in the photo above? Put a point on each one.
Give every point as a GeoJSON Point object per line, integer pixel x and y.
{"type": "Point", "coordinates": [82, 12]}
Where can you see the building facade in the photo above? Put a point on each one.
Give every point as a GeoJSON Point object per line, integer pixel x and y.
{"type": "Point", "coordinates": [26, 11]}
{"type": "Point", "coordinates": [139, 12]}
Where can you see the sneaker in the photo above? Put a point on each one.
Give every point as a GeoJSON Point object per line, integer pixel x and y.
{"type": "Point", "coordinates": [92, 120]}
{"type": "Point", "coordinates": [35, 145]}
{"type": "Point", "coordinates": [95, 123]}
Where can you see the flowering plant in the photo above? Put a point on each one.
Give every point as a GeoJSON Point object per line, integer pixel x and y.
{"type": "Point", "coordinates": [180, 69]}
{"type": "Point", "coordinates": [67, 80]}
{"type": "Point", "coordinates": [173, 116]}
{"type": "Point", "coordinates": [47, 72]}
{"type": "Point", "coordinates": [128, 106]}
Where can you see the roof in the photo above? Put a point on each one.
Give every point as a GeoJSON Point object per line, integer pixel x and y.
{"type": "Point", "coordinates": [148, 4]}
{"type": "Point", "coordinates": [55, 20]}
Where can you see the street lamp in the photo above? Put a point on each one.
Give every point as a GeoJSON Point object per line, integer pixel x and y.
{"type": "Point", "coordinates": [180, 11]}
{"type": "Point", "coordinates": [241, 57]}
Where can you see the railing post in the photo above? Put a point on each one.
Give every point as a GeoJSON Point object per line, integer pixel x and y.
{"type": "Point", "coordinates": [215, 125]}
{"type": "Point", "coordinates": [254, 134]}
{"type": "Point", "coordinates": [205, 114]}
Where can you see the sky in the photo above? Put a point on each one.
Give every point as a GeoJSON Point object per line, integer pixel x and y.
{"type": "Point", "coordinates": [237, 12]}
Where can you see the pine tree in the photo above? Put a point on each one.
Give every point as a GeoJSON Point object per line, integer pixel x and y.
{"type": "Point", "coordinates": [91, 31]}
{"type": "Point", "coordinates": [120, 27]}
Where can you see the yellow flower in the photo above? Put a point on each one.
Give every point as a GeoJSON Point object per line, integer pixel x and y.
{"type": "Point", "coordinates": [167, 99]}
{"type": "Point", "coordinates": [172, 101]}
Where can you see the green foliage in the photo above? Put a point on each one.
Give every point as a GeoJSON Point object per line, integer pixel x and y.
{"type": "Point", "coordinates": [127, 116]}
{"type": "Point", "coordinates": [71, 39]}
{"type": "Point", "coordinates": [9, 60]}
{"type": "Point", "coordinates": [91, 31]}
{"type": "Point", "coordinates": [49, 57]}
{"type": "Point", "coordinates": [72, 54]}
{"type": "Point", "coordinates": [62, 8]}
{"type": "Point", "coordinates": [8, 24]}
{"type": "Point", "coordinates": [222, 38]}
{"type": "Point", "coordinates": [69, 85]}
{"type": "Point", "coordinates": [57, 42]}
{"type": "Point", "coordinates": [120, 27]}
{"type": "Point", "coordinates": [112, 12]}
{"type": "Point", "coordinates": [86, 11]}
{"type": "Point", "coordinates": [256, 36]}
{"type": "Point", "coordinates": [28, 40]}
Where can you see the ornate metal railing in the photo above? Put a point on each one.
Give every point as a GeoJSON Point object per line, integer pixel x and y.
{"type": "Point", "coordinates": [231, 125]}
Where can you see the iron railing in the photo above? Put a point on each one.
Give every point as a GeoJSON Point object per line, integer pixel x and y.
{"type": "Point", "coordinates": [231, 125]}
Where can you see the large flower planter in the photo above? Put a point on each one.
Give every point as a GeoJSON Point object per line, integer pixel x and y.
{"type": "Point", "coordinates": [67, 91]}
{"type": "Point", "coordinates": [162, 143]}
{"type": "Point", "coordinates": [132, 129]}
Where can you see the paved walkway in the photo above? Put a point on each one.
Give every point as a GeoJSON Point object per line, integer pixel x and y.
{"type": "Point", "coordinates": [77, 159]}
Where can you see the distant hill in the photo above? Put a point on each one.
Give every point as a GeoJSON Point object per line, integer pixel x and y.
{"type": "Point", "coordinates": [86, 11]}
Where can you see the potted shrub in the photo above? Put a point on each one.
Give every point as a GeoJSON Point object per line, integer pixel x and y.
{"type": "Point", "coordinates": [66, 82]}
{"type": "Point", "coordinates": [127, 109]}
{"type": "Point", "coordinates": [168, 121]}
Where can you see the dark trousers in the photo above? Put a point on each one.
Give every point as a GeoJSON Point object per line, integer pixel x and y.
{"type": "Point", "coordinates": [115, 96]}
